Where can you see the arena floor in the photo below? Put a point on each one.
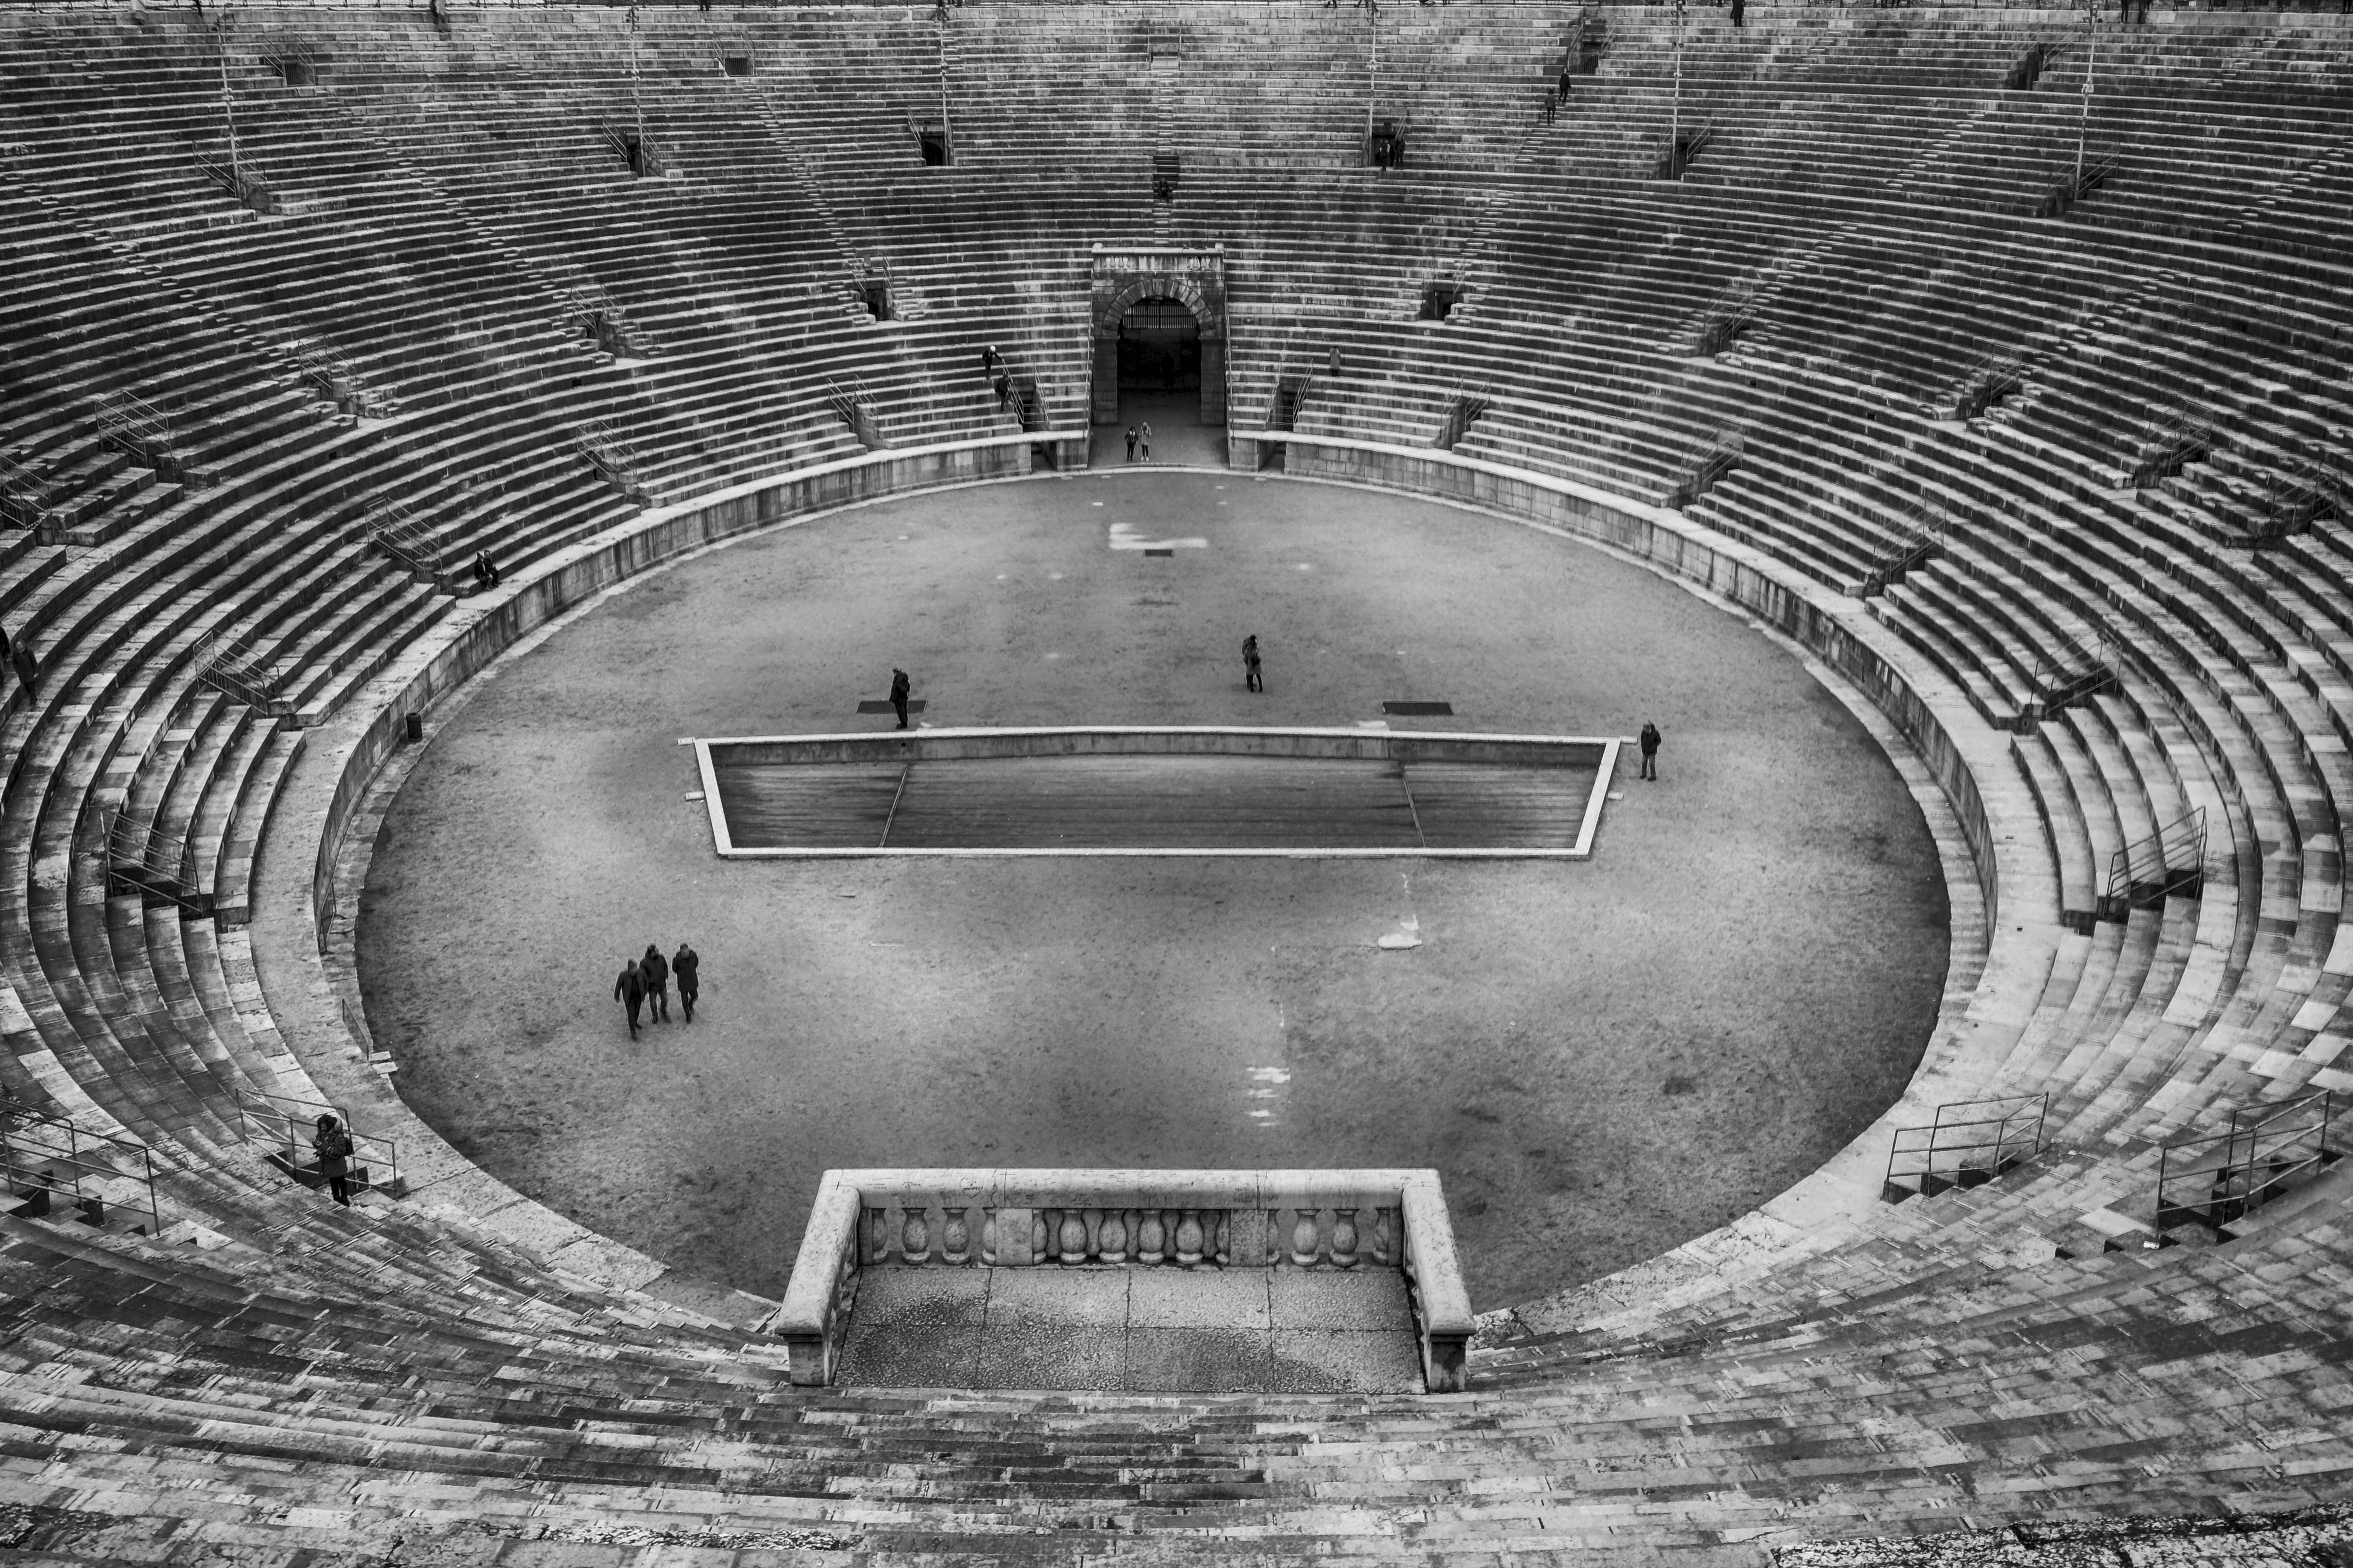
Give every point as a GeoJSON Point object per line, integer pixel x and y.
{"type": "Point", "coordinates": [1602, 1059]}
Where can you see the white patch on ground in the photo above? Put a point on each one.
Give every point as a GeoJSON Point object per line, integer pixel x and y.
{"type": "Point", "coordinates": [1124, 536]}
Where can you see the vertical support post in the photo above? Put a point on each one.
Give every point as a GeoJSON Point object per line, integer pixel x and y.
{"type": "Point", "coordinates": [2091, 52]}
{"type": "Point", "coordinates": [948, 131]}
{"type": "Point", "coordinates": [229, 104]}
{"type": "Point", "coordinates": [1676, 116]}
{"type": "Point", "coordinates": [636, 91]}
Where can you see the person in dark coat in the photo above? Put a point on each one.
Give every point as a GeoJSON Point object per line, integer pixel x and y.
{"type": "Point", "coordinates": [684, 965]}
{"type": "Point", "coordinates": [1130, 443]}
{"type": "Point", "coordinates": [629, 990]}
{"type": "Point", "coordinates": [27, 667]}
{"type": "Point", "coordinates": [1739, 9]}
{"type": "Point", "coordinates": [486, 571]}
{"type": "Point", "coordinates": [1649, 742]}
{"type": "Point", "coordinates": [899, 687]}
{"type": "Point", "coordinates": [656, 969]}
{"type": "Point", "coordinates": [1252, 680]}
{"type": "Point", "coordinates": [333, 1147]}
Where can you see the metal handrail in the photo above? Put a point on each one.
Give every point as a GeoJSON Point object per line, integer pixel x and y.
{"type": "Point", "coordinates": [294, 1118]}
{"type": "Point", "coordinates": [34, 1145]}
{"type": "Point", "coordinates": [2185, 834]}
{"type": "Point", "coordinates": [1959, 1136]}
{"type": "Point", "coordinates": [2214, 1178]}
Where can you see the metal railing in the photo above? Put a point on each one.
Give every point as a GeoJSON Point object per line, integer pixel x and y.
{"type": "Point", "coordinates": [409, 542]}
{"type": "Point", "coordinates": [1922, 530]}
{"type": "Point", "coordinates": [611, 456]}
{"type": "Point", "coordinates": [143, 859]}
{"type": "Point", "coordinates": [43, 1156]}
{"type": "Point", "coordinates": [1970, 1142]}
{"type": "Point", "coordinates": [132, 421]}
{"type": "Point", "coordinates": [2168, 863]}
{"type": "Point", "coordinates": [1710, 463]}
{"type": "Point", "coordinates": [228, 665]}
{"type": "Point", "coordinates": [290, 1121]}
{"type": "Point", "coordinates": [2219, 1177]}
{"type": "Point", "coordinates": [25, 496]}
{"type": "Point", "coordinates": [2187, 437]}
{"type": "Point", "coordinates": [2294, 503]}
{"type": "Point", "coordinates": [1989, 379]}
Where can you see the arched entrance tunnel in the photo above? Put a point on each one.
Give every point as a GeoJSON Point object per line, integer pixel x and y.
{"type": "Point", "coordinates": [1159, 350]}
{"type": "Point", "coordinates": [1159, 327]}
{"type": "Point", "coordinates": [1159, 370]}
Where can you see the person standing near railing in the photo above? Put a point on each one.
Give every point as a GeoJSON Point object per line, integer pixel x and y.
{"type": "Point", "coordinates": [333, 1147]}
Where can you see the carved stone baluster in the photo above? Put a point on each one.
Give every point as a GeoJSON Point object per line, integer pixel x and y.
{"type": "Point", "coordinates": [1390, 1228]}
{"type": "Point", "coordinates": [1074, 1236]}
{"type": "Point", "coordinates": [1344, 1238]}
{"type": "Point", "coordinates": [915, 1234]}
{"type": "Point", "coordinates": [1306, 1237]}
{"type": "Point", "coordinates": [988, 1236]}
{"type": "Point", "coordinates": [1188, 1238]}
{"type": "Point", "coordinates": [1152, 1236]}
{"type": "Point", "coordinates": [877, 1234]}
{"type": "Point", "coordinates": [1221, 1235]}
{"type": "Point", "coordinates": [955, 1236]}
{"type": "Point", "coordinates": [1111, 1235]}
{"type": "Point", "coordinates": [1038, 1224]}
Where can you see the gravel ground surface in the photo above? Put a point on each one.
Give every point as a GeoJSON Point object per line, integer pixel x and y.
{"type": "Point", "coordinates": [1602, 1059]}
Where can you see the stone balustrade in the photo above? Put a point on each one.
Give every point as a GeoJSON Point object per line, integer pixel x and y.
{"type": "Point", "coordinates": [1336, 1220]}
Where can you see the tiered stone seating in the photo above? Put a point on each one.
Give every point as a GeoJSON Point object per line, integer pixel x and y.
{"type": "Point", "coordinates": [452, 1371]}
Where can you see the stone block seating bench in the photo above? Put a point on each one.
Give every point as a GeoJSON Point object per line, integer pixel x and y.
{"type": "Point", "coordinates": [2072, 614]}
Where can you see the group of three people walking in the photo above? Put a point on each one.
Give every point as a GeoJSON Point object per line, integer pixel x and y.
{"type": "Point", "coordinates": [645, 981]}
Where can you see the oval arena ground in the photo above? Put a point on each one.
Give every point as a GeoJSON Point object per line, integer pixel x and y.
{"type": "Point", "coordinates": [2015, 413]}
{"type": "Point", "coordinates": [1601, 1059]}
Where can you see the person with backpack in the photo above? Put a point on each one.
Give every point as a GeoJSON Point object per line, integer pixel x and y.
{"type": "Point", "coordinates": [333, 1147]}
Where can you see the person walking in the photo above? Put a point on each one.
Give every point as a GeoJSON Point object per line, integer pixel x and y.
{"type": "Point", "coordinates": [656, 969]}
{"type": "Point", "coordinates": [629, 990]}
{"type": "Point", "coordinates": [899, 687]}
{"type": "Point", "coordinates": [1649, 742]}
{"type": "Point", "coordinates": [27, 667]}
{"type": "Point", "coordinates": [1252, 680]}
{"type": "Point", "coordinates": [333, 1147]}
{"type": "Point", "coordinates": [1130, 443]}
{"type": "Point", "coordinates": [1552, 105]}
{"type": "Point", "coordinates": [684, 966]}
{"type": "Point", "coordinates": [1144, 444]}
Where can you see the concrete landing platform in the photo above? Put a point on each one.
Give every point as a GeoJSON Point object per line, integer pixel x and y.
{"type": "Point", "coordinates": [1145, 1331]}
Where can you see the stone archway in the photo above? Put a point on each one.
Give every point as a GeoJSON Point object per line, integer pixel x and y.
{"type": "Point", "coordinates": [1195, 278]}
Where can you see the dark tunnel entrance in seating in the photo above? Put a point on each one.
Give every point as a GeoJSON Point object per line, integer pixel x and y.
{"type": "Point", "coordinates": [1159, 348]}
{"type": "Point", "coordinates": [1160, 375]}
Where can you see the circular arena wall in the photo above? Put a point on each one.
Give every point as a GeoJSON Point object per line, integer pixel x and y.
{"type": "Point", "coordinates": [2115, 412]}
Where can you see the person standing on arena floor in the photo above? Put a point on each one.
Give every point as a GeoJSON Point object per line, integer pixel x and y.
{"type": "Point", "coordinates": [1146, 442]}
{"type": "Point", "coordinates": [899, 687]}
{"type": "Point", "coordinates": [1252, 680]}
{"type": "Point", "coordinates": [656, 969]}
{"type": "Point", "coordinates": [333, 1147]}
{"type": "Point", "coordinates": [684, 966]}
{"type": "Point", "coordinates": [1649, 742]}
{"type": "Point", "coordinates": [1130, 443]}
{"type": "Point", "coordinates": [629, 990]}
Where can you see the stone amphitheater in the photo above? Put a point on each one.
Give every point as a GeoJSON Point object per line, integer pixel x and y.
{"type": "Point", "coordinates": [2043, 452]}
